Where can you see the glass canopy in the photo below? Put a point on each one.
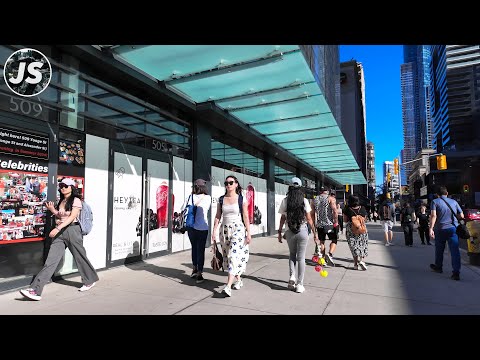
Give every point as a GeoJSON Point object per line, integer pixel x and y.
{"type": "Point", "coordinates": [268, 87]}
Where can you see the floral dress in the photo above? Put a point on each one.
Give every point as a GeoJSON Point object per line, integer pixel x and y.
{"type": "Point", "coordinates": [358, 244]}
{"type": "Point", "coordinates": [232, 239]}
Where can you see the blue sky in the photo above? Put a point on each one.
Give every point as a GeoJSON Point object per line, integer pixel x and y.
{"type": "Point", "coordinates": [381, 66]}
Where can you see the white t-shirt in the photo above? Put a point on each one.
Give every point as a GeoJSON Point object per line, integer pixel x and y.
{"type": "Point", "coordinates": [201, 219]}
{"type": "Point", "coordinates": [283, 208]}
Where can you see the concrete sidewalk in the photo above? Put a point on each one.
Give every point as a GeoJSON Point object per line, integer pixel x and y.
{"type": "Point", "coordinates": [398, 281]}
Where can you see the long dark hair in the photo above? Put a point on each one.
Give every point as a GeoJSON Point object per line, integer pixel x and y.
{"type": "Point", "coordinates": [238, 190]}
{"type": "Point", "coordinates": [200, 189]}
{"type": "Point", "coordinates": [295, 205]}
{"type": "Point", "coordinates": [69, 202]}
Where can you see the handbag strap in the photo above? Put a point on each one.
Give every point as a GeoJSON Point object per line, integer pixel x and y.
{"type": "Point", "coordinates": [453, 214]}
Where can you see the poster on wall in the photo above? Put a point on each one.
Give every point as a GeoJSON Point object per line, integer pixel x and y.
{"type": "Point", "coordinates": [22, 197]}
{"type": "Point", "coordinates": [71, 153]}
{"type": "Point", "coordinates": [280, 193]}
{"type": "Point", "coordinates": [182, 187]}
{"type": "Point", "coordinates": [127, 205]}
{"type": "Point", "coordinates": [158, 203]}
{"type": "Point", "coordinates": [23, 144]}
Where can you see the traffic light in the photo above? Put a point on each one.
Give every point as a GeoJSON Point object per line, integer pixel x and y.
{"type": "Point", "coordinates": [346, 187]}
{"type": "Point", "coordinates": [389, 177]}
{"type": "Point", "coordinates": [466, 189]}
{"type": "Point", "coordinates": [441, 162]}
{"type": "Point", "coordinates": [395, 166]}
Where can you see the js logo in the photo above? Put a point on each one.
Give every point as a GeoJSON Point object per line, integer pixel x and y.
{"type": "Point", "coordinates": [27, 72]}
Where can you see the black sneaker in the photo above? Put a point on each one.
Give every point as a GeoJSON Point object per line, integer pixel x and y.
{"type": "Point", "coordinates": [200, 279]}
{"type": "Point", "coordinates": [194, 273]}
{"type": "Point", "coordinates": [436, 268]}
{"type": "Point", "coordinates": [455, 276]}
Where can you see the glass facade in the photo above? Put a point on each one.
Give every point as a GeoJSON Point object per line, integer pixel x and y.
{"type": "Point", "coordinates": [408, 112]}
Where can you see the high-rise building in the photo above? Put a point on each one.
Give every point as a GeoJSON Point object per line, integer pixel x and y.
{"type": "Point", "coordinates": [455, 108]}
{"type": "Point", "coordinates": [415, 83]}
{"type": "Point", "coordinates": [403, 172]}
{"type": "Point", "coordinates": [408, 112]}
{"type": "Point", "coordinates": [455, 101]}
{"type": "Point", "coordinates": [371, 181]}
{"type": "Point", "coordinates": [394, 184]}
{"type": "Point", "coordinates": [353, 124]}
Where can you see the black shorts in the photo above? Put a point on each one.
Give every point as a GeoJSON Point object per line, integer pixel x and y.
{"type": "Point", "coordinates": [332, 235]}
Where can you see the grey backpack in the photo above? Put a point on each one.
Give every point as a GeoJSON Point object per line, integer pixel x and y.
{"type": "Point", "coordinates": [85, 218]}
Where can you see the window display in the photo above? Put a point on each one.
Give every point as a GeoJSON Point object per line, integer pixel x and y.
{"type": "Point", "coordinates": [22, 197]}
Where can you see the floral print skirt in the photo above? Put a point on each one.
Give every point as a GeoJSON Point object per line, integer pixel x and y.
{"type": "Point", "coordinates": [235, 252]}
{"type": "Point", "coordinates": [358, 244]}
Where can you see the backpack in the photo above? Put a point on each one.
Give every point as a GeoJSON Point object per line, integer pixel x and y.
{"type": "Point", "coordinates": [387, 212]}
{"type": "Point", "coordinates": [358, 223]}
{"type": "Point", "coordinates": [85, 219]}
{"type": "Point", "coordinates": [240, 205]}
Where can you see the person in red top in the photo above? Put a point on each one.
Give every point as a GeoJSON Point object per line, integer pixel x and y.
{"type": "Point", "coordinates": [67, 233]}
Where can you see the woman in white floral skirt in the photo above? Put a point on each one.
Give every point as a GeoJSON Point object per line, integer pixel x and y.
{"type": "Point", "coordinates": [234, 233]}
{"type": "Point", "coordinates": [358, 244]}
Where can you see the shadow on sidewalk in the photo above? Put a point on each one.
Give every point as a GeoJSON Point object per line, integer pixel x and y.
{"type": "Point", "coordinates": [176, 275]}
{"type": "Point", "coordinates": [268, 282]}
{"type": "Point", "coordinates": [273, 256]}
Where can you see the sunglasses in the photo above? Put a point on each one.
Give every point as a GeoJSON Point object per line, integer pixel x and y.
{"type": "Point", "coordinates": [62, 186]}
{"type": "Point", "coordinates": [229, 183]}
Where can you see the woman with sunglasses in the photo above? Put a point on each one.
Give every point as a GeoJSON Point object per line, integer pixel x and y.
{"type": "Point", "coordinates": [67, 233]}
{"type": "Point", "coordinates": [234, 233]}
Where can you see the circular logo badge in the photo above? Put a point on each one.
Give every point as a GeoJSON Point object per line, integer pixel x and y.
{"type": "Point", "coordinates": [27, 72]}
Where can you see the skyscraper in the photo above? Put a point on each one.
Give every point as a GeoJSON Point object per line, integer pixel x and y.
{"type": "Point", "coordinates": [408, 112]}
{"type": "Point", "coordinates": [415, 83]}
{"type": "Point", "coordinates": [371, 167]}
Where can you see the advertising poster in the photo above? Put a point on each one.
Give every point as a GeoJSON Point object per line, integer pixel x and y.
{"type": "Point", "coordinates": [22, 196]}
{"type": "Point", "coordinates": [257, 204]}
{"type": "Point", "coordinates": [23, 186]}
{"type": "Point", "coordinates": [71, 153]}
{"type": "Point", "coordinates": [182, 187]}
{"type": "Point", "coordinates": [127, 205]}
{"type": "Point", "coordinates": [280, 193]}
{"type": "Point", "coordinates": [158, 204]}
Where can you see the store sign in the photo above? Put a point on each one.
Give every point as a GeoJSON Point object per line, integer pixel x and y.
{"type": "Point", "coordinates": [27, 72]}
{"type": "Point", "coordinates": [23, 144]}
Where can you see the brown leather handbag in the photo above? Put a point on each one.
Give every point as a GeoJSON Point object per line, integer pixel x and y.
{"type": "Point", "coordinates": [217, 260]}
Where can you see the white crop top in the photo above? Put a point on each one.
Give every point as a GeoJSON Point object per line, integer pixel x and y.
{"type": "Point", "coordinates": [231, 213]}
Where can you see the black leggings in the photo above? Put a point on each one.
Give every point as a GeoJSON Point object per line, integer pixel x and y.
{"type": "Point", "coordinates": [340, 222]}
{"type": "Point", "coordinates": [423, 232]}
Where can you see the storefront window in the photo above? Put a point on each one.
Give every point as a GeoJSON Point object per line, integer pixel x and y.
{"type": "Point", "coordinates": [23, 185]}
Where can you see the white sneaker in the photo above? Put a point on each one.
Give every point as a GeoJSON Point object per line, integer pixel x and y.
{"type": "Point", "coordinates": [291, 283]}
{"type": "Point", "coordinates": [31, 294]}
{"type": "Point", "coordinates": [86, 287]}
{"type": "Point", "coordinates": [238, 284]}
{"type": "Point", "coordinates": [299, 288]}
{"type": "Point", "coordinates": [387, 244]}
{"type": "Point", "coordinates": [329, 260]}
{"type": "Point", "coordinates": [227, 290]}
{"type": "Point", "coordinates": [362, 265]}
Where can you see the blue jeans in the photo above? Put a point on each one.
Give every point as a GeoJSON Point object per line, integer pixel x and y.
{"type": "Point", "coordinates": [198, 239]}
{"type": "Point", "coordinates": [442, 236]}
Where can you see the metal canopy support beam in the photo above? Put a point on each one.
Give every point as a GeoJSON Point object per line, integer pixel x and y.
{"type": "Point", "coordinates": [316, 138]}
{"type": "Point", "coordinates": [299, 131]}
{"type": "Point", "coordinates": [341, 171]}
{"type": "Point", "coordinates": [223, 69]}
{"type": "Point", "coordinates": [266, 104]}
{"type": "Point", "coordinates": [263, 92]}
{"type": "Point", "coordinates": [301, 117]}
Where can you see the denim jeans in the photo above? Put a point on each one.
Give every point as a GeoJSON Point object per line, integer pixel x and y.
{"type": "Point", "coordinates": [442, 236]}
{"type": "Point", "coordinates": [198, 239]}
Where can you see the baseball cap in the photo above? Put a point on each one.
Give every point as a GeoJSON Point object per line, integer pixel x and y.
{"type": "Point", "coordinates": [68, 181]}
{"type": "Point", "coordinates": [200, 182]}
{"type": "Point", "coordinates": [296, 181]}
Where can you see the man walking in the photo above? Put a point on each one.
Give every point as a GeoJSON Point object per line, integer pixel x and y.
{"type": "Point", "coordinates": [325, 218]}
{"type": "Point", "coordinates": [443, 225]}
{"type": "Point", "coordinates": [387, 217]}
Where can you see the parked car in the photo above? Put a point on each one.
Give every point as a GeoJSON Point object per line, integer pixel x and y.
{"type": "Point", "coordinates": [472, 214]}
